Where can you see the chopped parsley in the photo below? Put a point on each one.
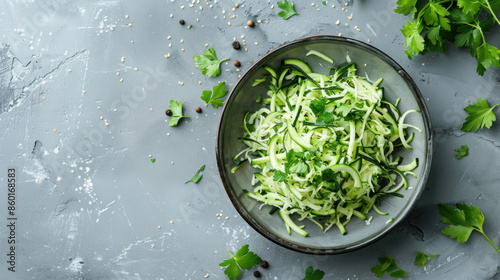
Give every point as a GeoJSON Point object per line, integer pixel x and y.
{"type": "Point", "coordinates": [388, 266]}
{"type": "Point", "coordinates": [421, 258]}
{"type": "Point", "coordinates": [462, 151]}
{"type": "Point", "coordinates": [312, 274]}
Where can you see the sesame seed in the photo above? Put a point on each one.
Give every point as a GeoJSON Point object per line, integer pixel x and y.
{"type": "Point", "coordinates": [172, 162]}
{"type": "Point", "coordinates": [152, 245]}
{"type": "Point", "coordinates": [169, 45]}
{"type": "Point", "coordinates": [135, 68]}
{"type": "Point", "coordinates": [55, 130]}
{"type": "Point", "coordinates": [171, 222]}
{"type": "Point", "coordinates": [227, 218]}
{"type": "Point", "coordinates": [115, 110]}
{"type": "Point", "coordinates": [69, 70]}
{"type": "Point", "coordinates": [121, 80]}
{"type": "Point", "coordinates": [171, 15]}
{"type": "Point", "coordinates": [369, 40]}
{"type": "Point", "coordinates": [102, 117]}
{"type": "Point", "coordinates": [111, 28]}
{"type": "Point", "coordinates": [349, 17]}
{"type": "Point", "coordinates": [117, 73]}
{"type": "Point", "coordinates": [130, 24]}
{"type": "Point", "coordinates": [272, 6]}
{"type": "Point", "coordinates": [126, 16]}
{"type": "Point", "coordinates": [83, 91]}
{"type": "Point", "coordinates": [343, 9]}
{"type": "Point", "coordinates": [169, 37]}
{"type": "Point", "coordinates": [207, 275]}
{"type": "Point", "coordinates": [150, 155]}
{"type": "Point", "coordinates": [168, 133]}
{"type": "Point", "coordinates": [346, 4]}
{"type": "Point", "coordinates": [229, 23]}
{"type": "Point", "coordinates": [159, 227]}
{"type": "Point", "coordinates": [151, 109]}
{"type": "Point", "coordinates": [337, 22]}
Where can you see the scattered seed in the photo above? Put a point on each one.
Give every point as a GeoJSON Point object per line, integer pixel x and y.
{"type": "Point", "coordinates": [115, 110]}
{"type": "Point", "coordinates": [168, 112]}
{"type": "Point", "coordinates": [83, 91]}
{"type": "Point", "coordinates": [236, 6]}
{"type": "Point", "coordinates": [111, 28]}
{"type": "Point", "coordinates": [117, 73]}
{"type": "Point", "coordinates": [207, 275]}
{"type": "Point", "coordinates": [198, 109]}
{"type": "Point", "coordinates": [130, 25]}
{"type": "Point", "coordinates": [55, 130]}
{"type": "Point", "coordinates": [237, 63]}
{"type": "Point", "coordinates": [135, 68]}
{"type": "Point", "coordinates": [256, 274]}
{"type": "Point", "coordinates": [168, 133]}
{"type": "Point", "coordinates": [151, 109]}
{"type": "Point", "coordinates": [227, 218]}
{"type": "Point", "coordinates": [182, 22]}
{"type": "Point", "coordinates": [250, 23]}
{"type": "Point", "coordinates": [172, 222]}
{"type": "Point", "coordinates": [152, 245]}
{"type": "Point", "coordinates": [229, 23]}
{"type": "Point", "coordinates": [159, 227]}
{"type": "Point", "coordinates": [121, 80]}
{"type": "Point", "coordinates": [337, 22]}
{"type": "Point", "coordinates": [236, 45]}
{"type": "Point", "coordinates": [264, 264]}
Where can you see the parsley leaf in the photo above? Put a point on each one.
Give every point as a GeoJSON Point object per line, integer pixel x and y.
{"type": "Point", "coordinates": [208, 63]}
{"type": "Point", "coordinates": [287, 9]}
{"type": "Point", "coordinates": [469, 7]}
{"type": "Point", "coordinates": [414, 41]}
{"type": "Point", "coordinates": [421, 258]}
{"type": "Point", "coordinates": [462, 151]}
{"type": "Point", "coordinates": [176, 108]}
{"type": "Point", "coordinates": [388, 266]}
{"type": "Point", "coordinates": [462, 221]}
{"type": "Point", "coordinates": [153, 160]}
{"type": "Point", "coordinates": [312, 274]}
{"type": "Point", "coordinates": [218, 91]}
{"type": "Point", "coordinates": [405, 6]}
{"type": "Point", "coordinates": [480, 115]}
{"type": "Point", "coordinates": [487, 55]}
{"type": "Point", "coordinates": [243, 259]}
{"type": "Point", "coordinates": [279, 176]}
{"type": "Point", "coordinates": [197, 176]}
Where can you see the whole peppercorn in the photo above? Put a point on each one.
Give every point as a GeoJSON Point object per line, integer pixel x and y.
{"type": "Point", "coordinates": [168, 112]}
{"type": "Point", "coordinates": [181, 22]}
{"type": "Point", "coordinates": [236, 45]}
{"type": "Point", "coordinates": [256, 274]}
{"type": "Point", "coordinates": [264, 264]}
{"type": "Point", "coordinates": [237, 63]}
{"type": "Point", "coordinates": [236, 6]}
{"type": "Point", "coordinates": [198, 109]}
{"type": "Point", "coordinates": [251, 23]}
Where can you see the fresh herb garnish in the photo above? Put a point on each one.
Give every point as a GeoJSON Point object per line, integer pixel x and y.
{"type": "Point", "coordinates": [462, 221]}
{"type": "Point", "coordinates": [462, 151]}
{"type": "Point", "coordinates": [480, 115]}
{"type": "Point", "coordinates": [421, 258]}
{"type": "Point", "coordinates": [243, 259]}
{"type": "Point", "coordinates": [461, 22]}
{"type": "Point", "coordinates": [197, 176]}
{"type": "Point", "coordinates": [176, 109]}
{"type": "Point", "coordinates": [388, 266]}
{"type": "Point", "coordinates": [324, 3]}
{"type": "Point", "coordinates": [312, 274]}
{"type": "Point", "coordinates": [279, 176]}
{"type": "Point", "coordinates": [208, 63]}
{"type": "Point", "coordinates": [218, 91]}
{"type": "Point", "coordinates": [287, 9]}
{"type": "Point", "coordinates": [153, 160]}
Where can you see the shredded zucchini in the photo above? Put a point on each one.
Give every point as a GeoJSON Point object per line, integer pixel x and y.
{"type": "Point", "coordinates": [324, 146]}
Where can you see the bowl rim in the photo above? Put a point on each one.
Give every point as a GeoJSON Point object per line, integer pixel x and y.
{"type": "Point", "coordinates": [411, 203]}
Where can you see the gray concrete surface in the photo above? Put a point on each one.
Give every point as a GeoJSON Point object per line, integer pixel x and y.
{"type": "Point", "coordinates": [91, 205]}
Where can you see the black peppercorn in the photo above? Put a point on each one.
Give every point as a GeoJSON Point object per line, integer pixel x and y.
{"type": "Point", "coordinates": [181, 22]}
{"type": "Point", "coordinates": [168, 112]}
{"type": "Point", "coordinates": [251, 23]}
{"type": "Point", "coordinates": [256, 274]}
{"type": "Point", "coordinates": [198, 109]}
{"type": "Point", "coordinates": [237, 63]}
{"type": "Point", "coordinates": [236, 45]}
{"type": "Point", "coordinates": [264, 264]}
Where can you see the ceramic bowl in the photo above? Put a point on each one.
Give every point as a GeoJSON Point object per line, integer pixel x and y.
{"type": "Point", "coordinates": [371, 63]}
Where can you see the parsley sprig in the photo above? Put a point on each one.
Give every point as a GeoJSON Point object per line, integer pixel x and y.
{"type": "Point", "coordinates": [208, 63]}
{"type": "Point", "coordinates": [462, 221]}
{"type": "Point", "coordinates": [214, 96]}
{"type": "Point", "coordinates": [422, 258]}
{"type": "Point", "coordinates": [312, 274]}
{"type": "Point", "coordinates": [461, 22]}
{"type": "Point", "coordinates": [176, 108]}
{"type": "Point", "coordinates": [243, 259]}
{"type": "Point", "coordinates": [480, 115]}
{"type": "Point", "coordinates": [287, 9]}
{"type": "Point", "coordinates": [388, 266]}
{"type": "Point", "coordinates": [197, 176]}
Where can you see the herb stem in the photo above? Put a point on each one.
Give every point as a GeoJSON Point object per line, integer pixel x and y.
{"type": "Point", "coordinates": [491, 12]}
{"type": "Point", "coordinates": [491, 242]}
{"type": "Point", "coordinates": [233, 255]}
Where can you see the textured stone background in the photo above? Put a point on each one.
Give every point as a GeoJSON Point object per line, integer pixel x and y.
{"type": "Point", "coordinates": [89, 199]}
